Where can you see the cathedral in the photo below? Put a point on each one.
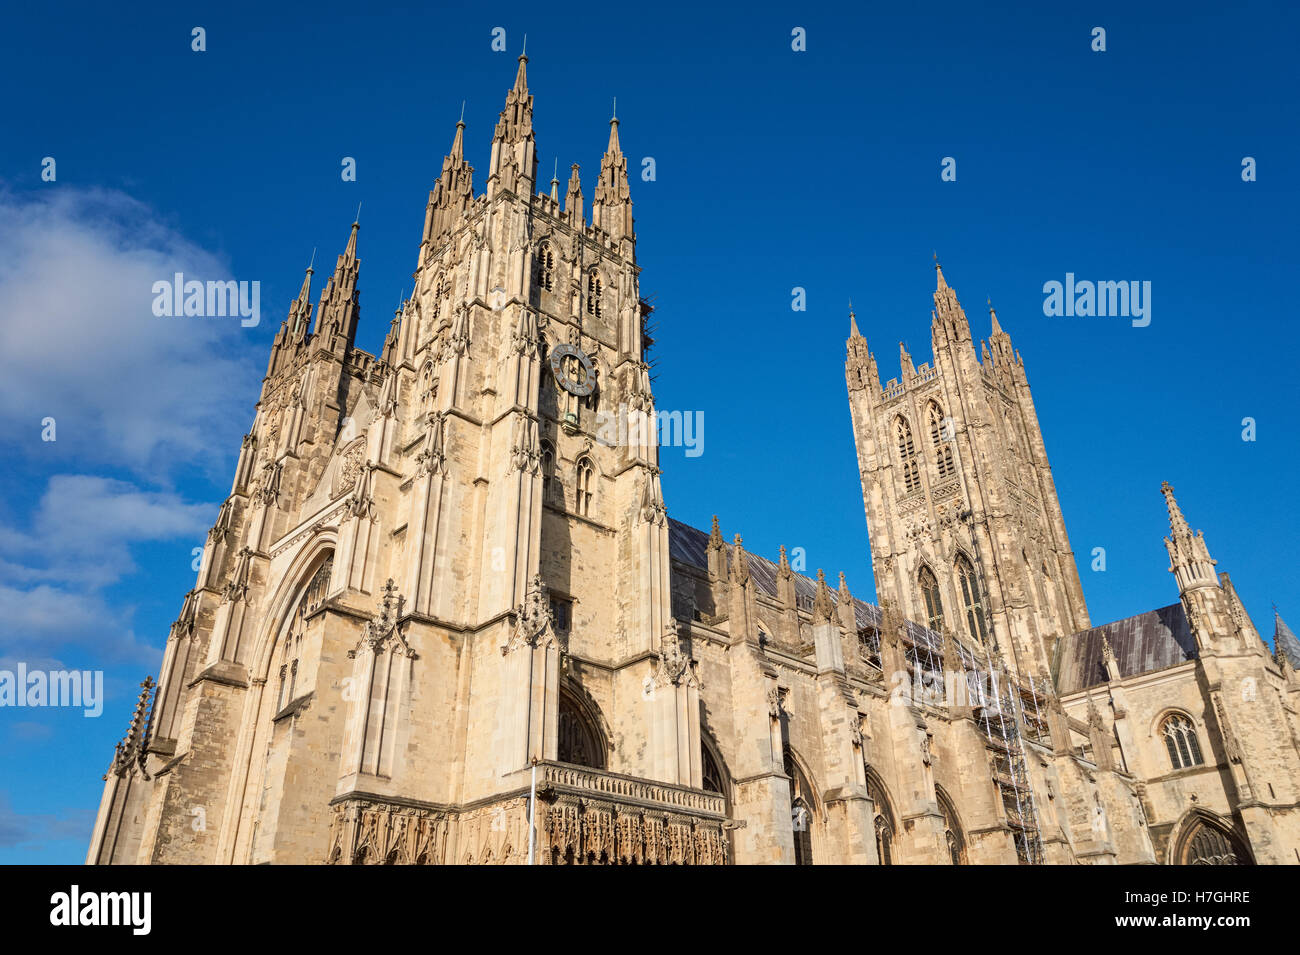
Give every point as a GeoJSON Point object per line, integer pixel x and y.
{"type": "Point", "coordinates": [440, 619]}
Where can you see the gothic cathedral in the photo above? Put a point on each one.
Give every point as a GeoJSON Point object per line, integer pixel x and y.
{"type": "Point", "coordinates": [440, 619]}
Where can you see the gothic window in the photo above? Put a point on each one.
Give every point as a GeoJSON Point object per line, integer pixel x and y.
{"type": "Point", "coordinates": [594, 291]}
{"type": "Point", "coordinates": [933, 604]}
{"type": "Point", "coordinates": [546, 268]}
{"type": "Point", "coordinates": [712, 772]}
{"type": "Point", "coordinates": [952, 836]}
{"type": "Point", "coordinates": [884, 820]}
{"type": "Point", "coordinates": [291, 646]}
{"type": "Point", "coordinates": [578, 742]}
{"type": "Point", "coordinates": [801, 810]}
{"type": "Point", "coordinates": [969, 590]}
{"type": "Point", "coordinates": [548, 469]}
{"type": "Point", "coordinates": [1180, 739]}
{"type": "Point", "coordinates": [907, 455]}
{"type": "Point", "coordinates": [586, 474]}
{"type": "Point", "coordinates": [939, 438]}
{"type": "Point", "coordinates": [562, 613]}
{"type": "Point", "coordinates": [1209, 844]}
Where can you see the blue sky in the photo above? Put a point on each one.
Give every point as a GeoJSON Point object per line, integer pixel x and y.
{"type": "Point", "coordinates": [775, 169]}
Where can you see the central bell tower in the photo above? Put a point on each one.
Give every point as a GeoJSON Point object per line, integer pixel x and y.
{"type": "Point", "coordinates": [965, 527]}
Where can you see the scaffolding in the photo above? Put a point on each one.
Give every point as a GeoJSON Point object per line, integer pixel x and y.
{"type": "Point", "coordinates": [1001, 720]}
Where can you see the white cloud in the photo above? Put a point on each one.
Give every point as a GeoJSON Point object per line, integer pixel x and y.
{"type": "Point", "coordinates": [83, 525]}
{"type": "Point", "coordinates": [79, 340]}
{"type": "Point", "coordinates": [79, 542]}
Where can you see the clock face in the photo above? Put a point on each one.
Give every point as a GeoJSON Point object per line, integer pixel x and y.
{"type": "Point", "coordinates": [573, 370]}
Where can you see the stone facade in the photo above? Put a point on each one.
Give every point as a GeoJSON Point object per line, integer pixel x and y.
{"type": "Point", "coordinates": [441, 619]}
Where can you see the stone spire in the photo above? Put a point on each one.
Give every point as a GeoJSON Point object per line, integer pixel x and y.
{"type": "Point", "coordinates": [948, 321]}
{"type": "Point", "coordinates": [823, 606]}
{"type": "Point", "coordinates": [555, 183]}
{"type": "Point", "coordinates": [611, 207]}
{"type": "Point", "coordinates": [717, 552]}
{"type": "Point", "coordinates": [514, 150]}
{"type": "Point", "coordinates": [451, 196]}
{"type": "Point", "coordinates": [1189, 559]}
{"type": "Point", "coordinates": [293, 330]}
{"type": "Point", "coordinates": [860, 365]}
{"type": "Point", "coordinates": [573, 200]}
{"type": "Point", "coordinates": [340, 301]}
{"type": "Point", "coordinates": [905, 365]}
{"type": "Point", "coordinates": [1285, 643]}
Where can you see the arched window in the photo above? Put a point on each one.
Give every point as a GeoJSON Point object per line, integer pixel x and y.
{"type": "Point", "coordinates": [548, 470]}
{"type": "Point", "coordinates": [578, 741]}
{"type": "Point", "coordinates": [1207, 843]}
{"type": "Point", "coordinates": [933, 604]}
{"type": "Point", "coordinates": [712, 781]}
{"type": "Point", "coordinates": [907, 455]}
{"type": "Point", "coordinates": [594, 291]}
{"type": "Point", "coordinates": [953, 839]}
{"type": "Point", "coordinates": [884, 820]}
{"type": "Point", "coordinates": [546, 268]}
{"type": "Point", "coordinates": [291, 647]}
{"type": "Point", "coordinates": [801, 810]}
{"type": "Point", "coordinates": [969, 590]}
{"type": "Point", "coordinates": [1180, 740]}
{"type": "Point", "coordinates": [939, 438]}
{"type": "Point", "coordinates": [586, 474]}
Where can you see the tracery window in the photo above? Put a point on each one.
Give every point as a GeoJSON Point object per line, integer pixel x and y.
{"type": "Point", "coordinates": [586, 474]}
{"type": "Point", "coordinates": [1210, 845]}
{"type": "Point", "coordinates": [548, 469]}
{"type": "Point", "coordinates": [594, 290]}
{"type": "Point", "coordinates": [1180, 740]}
{"type": "Point", "coordinates": [712, 781]}
{"type": "Point", "coordinates": [939, 439]}
{"type": "Point", "coordinates": [801, 810]}
{"type": "Point", "coordinates": [969, 590]}
{"type": "Point", "coordinates": [952, 836]}
{"type": "Point", "coordinates": [291, 645]}
{"type": "Point", "coordinates": [546, 268]}
{"type": "Point", "coordinates": [884, 821]}
{"type": "Point", "coordinates": [933, 603]}
{"type": "Point", "coordinates": [907, 455]}
{"type": "Point", "coordinates": [577, 742]}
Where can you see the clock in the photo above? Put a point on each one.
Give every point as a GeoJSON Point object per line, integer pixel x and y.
{"type": "Point", "coordinates": [585, 382]}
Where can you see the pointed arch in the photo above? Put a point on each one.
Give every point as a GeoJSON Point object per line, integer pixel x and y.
{"type": "Point", "coordinates": [580, 736]}
{"type": "Point", "coordinates": [953, 834]}
{"type": "Point", "coordinates": [716, 779]}
{"type": "Point", "coordinates": [584, 485]}
{"type": "Point", "coordinates": [883, 818]}
{"type": "Point", "coordinates": [907, 455]}
{"type": "Point", "coordinates": [1205, 838]}
{"type": "Point", "coordinates": [546, 267]}
{"type": "Point", "coordinates": [1178, 730]}
{"type": "Point", "coordinates": [940, 440]}
{"type": "Point", "coordinates": [803, 807]}
{"type": "Point", "coordinates": [933, 602]}
{"type": "Point", "coordinates": [970, 593]}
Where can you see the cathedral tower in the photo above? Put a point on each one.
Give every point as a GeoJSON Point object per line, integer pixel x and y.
{"type": "Point", "coordinates": [965, 527]}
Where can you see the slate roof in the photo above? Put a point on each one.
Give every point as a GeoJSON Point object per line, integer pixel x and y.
{"type": "Point", "coordinates": [1284, 638]}
{"type": "Point", "coordinates": [690, 546]}
{"type": "Point", "coordinates": [1149, 641]}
